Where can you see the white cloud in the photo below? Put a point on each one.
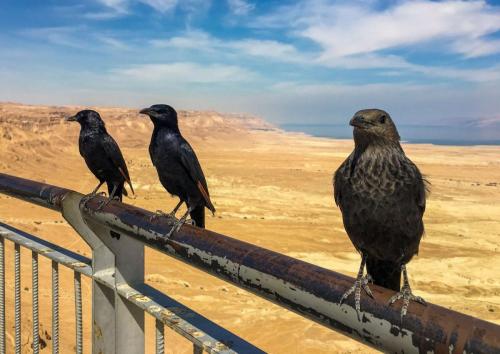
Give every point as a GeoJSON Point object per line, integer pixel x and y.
{"type": "Point", "coordinates": [102, 15]}
{"type": "Point", "coordinates": [284, 52]}
{"type": "Point", "coordinates": [79, 37]}
{"type": "Point", "coordinates": [64, 36]}
{"type": "Point", "coordinates": [115, 4]}
{"type": "Point", "coordinates": [121, 7]}
{"type": "Point", "coordinates": [202, 41]}
{"type": "Point", "coordinates": [476, 47]}
{"type": "Point", "coordinates": [161, 5]}
{"type": "Point", "coordinates": [406, 24]}
{"type": "Point", "coordinates": [190, 40]}
{"type": "Point", "coordinates": [240, 7]}
{"type": "Point", "coordinates": [398, 65]}
{"type": "Point", "coordinates": [350, 28]}
{"type": "Point", "coordinates": [186, 72]}
{"type": "Point", "coordinates": [113, 43]}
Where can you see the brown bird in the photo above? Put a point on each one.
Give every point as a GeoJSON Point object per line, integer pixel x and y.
{"type": "Point", "coordinates": [381, 195]}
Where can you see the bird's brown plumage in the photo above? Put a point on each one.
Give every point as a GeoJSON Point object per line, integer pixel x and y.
{"type": "Point", "coordinates": [381, 194]}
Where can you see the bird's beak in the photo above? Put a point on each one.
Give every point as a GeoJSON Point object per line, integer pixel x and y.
{"type": "Point", "coordinates": [71, 119]}
{"type": "Point", "coordinates": [358, 121]}
{"type": "Point", "coordinates": [144, 111]}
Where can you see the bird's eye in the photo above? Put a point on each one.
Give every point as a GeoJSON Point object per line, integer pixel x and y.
{"type": "Point", "coordinates": [382, 119]}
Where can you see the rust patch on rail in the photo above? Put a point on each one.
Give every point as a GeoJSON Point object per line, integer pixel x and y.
{"type": "Point", "coordinates": [97, 331]}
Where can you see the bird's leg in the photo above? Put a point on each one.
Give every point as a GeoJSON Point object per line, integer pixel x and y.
{"type": "Point", "coordinates": [112, 195]}
{"type": "Point", "coordinates": [177, 226]}
{"type": "Point", "coordinates": [97, 188]}
{"type": "Point", "coordinates": [405, 294]}
{"type": "Point", "coordinates": [86, 198]}
{"type": "Point", "coordinates": [360, 283]}
{"type": "Point", "coordinates": [171, 214]}
{"type": "Point", "coordinates": [102, 204]}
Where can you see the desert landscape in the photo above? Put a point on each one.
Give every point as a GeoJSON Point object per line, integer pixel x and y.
{"type": "Point", "coordinates": [270, 188]}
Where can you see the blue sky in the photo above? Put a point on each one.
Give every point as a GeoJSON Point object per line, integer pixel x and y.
{"type": "Point", "coordinates": [310, 61]}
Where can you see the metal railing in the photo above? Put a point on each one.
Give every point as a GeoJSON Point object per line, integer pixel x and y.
{"type": "Point", "coordinates": [181, 319]}
{"type": "Point", "coordinates": [118, 232]}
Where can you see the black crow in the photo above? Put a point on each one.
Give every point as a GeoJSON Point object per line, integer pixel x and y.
{"type": "Point", "coordinates": [101, 154]}
{"type": "Point", "coordinates": [177, 165]}
{"type": "Point", "coordinates": [381, 194]}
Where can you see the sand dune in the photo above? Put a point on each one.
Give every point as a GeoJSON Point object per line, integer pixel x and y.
{"type": "Point", "coordinates": [270, 188]}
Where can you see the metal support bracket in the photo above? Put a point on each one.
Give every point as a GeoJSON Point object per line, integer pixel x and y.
{"type": "Point", "coordinates": [118, 325]}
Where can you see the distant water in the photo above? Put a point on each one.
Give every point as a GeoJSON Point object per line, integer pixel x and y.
{"type": "Point", "coordinates": [422, 134]}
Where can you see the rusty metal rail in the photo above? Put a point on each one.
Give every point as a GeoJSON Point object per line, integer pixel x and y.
{"type": "Point", "coordinates": [309, 290]}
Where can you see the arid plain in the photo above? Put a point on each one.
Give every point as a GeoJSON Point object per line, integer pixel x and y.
{"type": "Point", "coordinates": [270, 188]}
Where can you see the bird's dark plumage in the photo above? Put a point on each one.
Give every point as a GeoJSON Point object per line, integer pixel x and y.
{"type": "Point", "coordinates": [178, 167]}
{"type": "Point", "coordinates": [381, 194]}
{"type": "Point", "coordinates": [101, 153]}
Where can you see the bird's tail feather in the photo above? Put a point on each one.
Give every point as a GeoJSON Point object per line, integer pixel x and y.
{"type": "Point", "coordinates": [205, 195]}
{"type": "Point", "coordinates": [384, 273]}
{"type": "Point", "coordinates": [198, 215]}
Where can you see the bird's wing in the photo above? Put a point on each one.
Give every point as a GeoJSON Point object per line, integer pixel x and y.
{"type": "Point", "coordinates": [422, 191]}
{"type": "Point", "coordinates": [338, 183]}
{"type": "Point", "coordinates": [420, 185]}
{"type": "Point", "coordinates": [192, 165]}
{"type": "Point", "coordinates": [114, 154]}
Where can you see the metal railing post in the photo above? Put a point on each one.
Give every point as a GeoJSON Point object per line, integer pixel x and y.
{"type": "Point", "coordinates": [118, 325]}
{"type": "Point", "coordinates": [2, 296]}
{"type": "Point", "coordinates": [17, 297]}
{"type": "Point", "coordinates": [103, 303]}
{"type": "Point", "coordinates": [55, 307]}
{"type": "Point", "coordinates": [129, 269]}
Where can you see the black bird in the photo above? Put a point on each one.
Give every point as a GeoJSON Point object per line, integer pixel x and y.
{"type": "Point", "coordinates": [381, 194]}
{"type": "Point", "coordinates": [177, 165]}
{"type": "Point", "coordinates": [101, 154]}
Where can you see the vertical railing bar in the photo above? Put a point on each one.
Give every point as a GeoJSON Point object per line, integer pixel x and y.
{"type": "Point", "coordinates": [2, 296]}
{"type": "Point", "coordinates": [55, 307]}
{"type": "Point", "coordinates": [78, 313]}
{"type": "Point", "coordinates": [34, 276]}
{"type": "Point", "coordinates": [17, 297]}
{"type": "Point", "coordinates": [197, 349]}
{"type": "Point", "coordinates": [160, 337]}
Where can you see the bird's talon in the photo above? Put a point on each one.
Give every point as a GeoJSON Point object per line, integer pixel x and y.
{"type": "Point", "coordinates": [407, 296]}
{"type": "Point", "coordinates": [359, 284]}
{"type": "Point", "coordinates": [158, 214]}
{"type": "Point", "coordinates": [368, 291]}
{"type": "Point", "coordinates": [170, 233]}
{"type": "Point", "coordinates": [420, 300]}
{"type": "Point", "coordinates": [179, 225]}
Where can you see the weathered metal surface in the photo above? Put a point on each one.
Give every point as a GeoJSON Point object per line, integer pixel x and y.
{"type": "Point", "coordinates": [197, 329]}
{"type": "Point", "coordinates": [34, 301]}
{"type": "Point", "coordinates": [58, 254]}
{"type": "Point", "coordinates": [55, 307]}
{"type": "Point", "coordinates": [42, 194]}
{"type": "Point", "coordinates": [304, 288]}
{"type": "Point", "coordinates": [181, 319]}
{"type": "Point", "coordinates": [2, 297]}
